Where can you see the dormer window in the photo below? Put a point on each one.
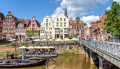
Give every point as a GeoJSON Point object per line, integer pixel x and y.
{"type": "Point", "coordinates": [57, 19]}
{"type": "Point", "coordinates": [60, 19]}
{"type": "Point", "coordinates": [46, 20]}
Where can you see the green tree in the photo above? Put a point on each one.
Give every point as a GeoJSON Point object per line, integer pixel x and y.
{"type": "Point", "coordinates": [112, 21]}
{"type": "Point", "coordinates": [31, 32]}
{"type": "Point", "coordinates": [75, 36]}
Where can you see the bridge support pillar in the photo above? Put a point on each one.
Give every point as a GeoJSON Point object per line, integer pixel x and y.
{"type": "Point", "coordinates": [104, 64]}
{"type": "Point", "coordinates": [92, 58]}
{"type": "Point", "coordinates": [86, 52]}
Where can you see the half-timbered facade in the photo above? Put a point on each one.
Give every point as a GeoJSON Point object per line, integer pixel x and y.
{"type": "Point", "coordinates": [21, 29]}
{"type": "Point", "coordinates": [35, 26]}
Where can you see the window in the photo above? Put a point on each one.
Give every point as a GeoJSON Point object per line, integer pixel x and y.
{"type": "Point", "coordinates": [80, 26]}
{"type": "Point", "coordinates": [77, 26]}
{"type": "Point", "coordinates": [60, 19]}
{"type": "Point", "coordinates": [57, 24]}
{"type": "Point", "coordinates": [46, 28]}
{"type": "Point", "coordinates": [66, 31]}
{"type": "Point", "coordinates": [47, 24]}
{"type": "Point", "coordinates": [61, 30]}
{"type": "Point", "coordinates": [60, 24]}
{"type": "Point", "coordinates": [56, 30]}
{"type": "Point", "coordinates": [46, 20]}
{"type": "Point", "coordinates": [57, 19]}
{"type": "Point", "coordinates": [77, 21]}
{"type": "Point", "coordinates": [82, 33]}
{"type": "Point", "coordinates": [50, 32]}
{"type": "Point", "coordinates": [64, 24]}
{"type": "Point", "coordinates": [77, 31]}
{"type": "Point", "coordinates": [64, 19]}
{"type": "Point", "coordinates": [73, 26]}
{"type": "Point", "coordinates": [33, 25]}
{"type": "Point", "coordinates": [21, 25]}
{"type": "Point", "coordinates": [43, 29]}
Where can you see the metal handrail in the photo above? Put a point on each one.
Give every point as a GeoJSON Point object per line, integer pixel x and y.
{"type": "Point", "coordinates": [110, 49]}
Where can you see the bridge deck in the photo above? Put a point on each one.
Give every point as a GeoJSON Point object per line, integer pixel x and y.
{"type": "Point", "coordinates": [108, 50]}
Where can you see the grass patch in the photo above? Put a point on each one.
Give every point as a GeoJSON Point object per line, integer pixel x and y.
{"type": "Point", "coordinates": [68, 53]}
{"type": "Point", "coordinates": [8, 52]}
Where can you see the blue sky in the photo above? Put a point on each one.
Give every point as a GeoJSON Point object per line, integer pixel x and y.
{"type": "Point", "coordinates": [87, 10]}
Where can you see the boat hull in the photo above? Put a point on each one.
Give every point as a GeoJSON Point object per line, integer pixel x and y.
{"type": "Point", "coordinates": [26, 65]}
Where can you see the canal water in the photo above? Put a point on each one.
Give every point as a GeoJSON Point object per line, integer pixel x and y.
{"type": "Point", "coordinates": [66, 62]}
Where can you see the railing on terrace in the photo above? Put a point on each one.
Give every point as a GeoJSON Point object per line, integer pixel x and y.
{"type": "Point", "coordinates": [45, 54]}
{"type": "Point", "coordinates": [113, 50]}
{"type": "Point", "coordinates": [57, 43]}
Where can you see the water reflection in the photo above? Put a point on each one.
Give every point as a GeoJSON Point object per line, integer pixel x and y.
{"type": "Point", "coordinates": [66, 62]}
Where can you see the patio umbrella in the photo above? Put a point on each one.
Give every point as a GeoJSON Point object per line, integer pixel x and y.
{"type": "Point", "coordinates": [66, 39]}
{"type": "Point", "coordinates": [22, 47]}
{"type": "Point", "coordinates": [74, 39]}
{"type": "Point", "coordinates": [51, 47]}
{"type": "Point", "coordinates": [51, 40]}
{"type": "Point", "coordinates": [58, 39]}
{"type": "Point", "coordinates": [44, 40]}
{"type": "Point", "coordinates": [45, 47]}
{"type": "Point", "coordinates": [30, 47]}
{"type": "Point", "coordinates": [12, 40]}
{"type": "Point", "coordinates": [38, 47]}
{"type": "Point", "coordinates": [37, 40]}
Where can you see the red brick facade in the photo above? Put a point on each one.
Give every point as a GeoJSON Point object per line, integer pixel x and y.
{"type": "Point", "coordinates": [77, 27]}
{"type": "Point", "coordinates": [96, 30]}
{"type": "Point", "coordinates": [8, 29]}
{"type": "Point", "coordinates": [0, 29]}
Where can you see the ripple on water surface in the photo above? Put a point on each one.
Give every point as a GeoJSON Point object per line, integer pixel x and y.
{"type": "Point", "coordinates": [66, 62]}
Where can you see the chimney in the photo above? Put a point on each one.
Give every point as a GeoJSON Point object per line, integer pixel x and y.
{"type": "Point", "coordinates": [9, 12]}
{"type": "Point", "coordinates": [33, 18]}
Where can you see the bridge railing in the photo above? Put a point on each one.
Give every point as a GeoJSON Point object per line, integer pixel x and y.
{"type": "Point", "coordinates": [110, 49]}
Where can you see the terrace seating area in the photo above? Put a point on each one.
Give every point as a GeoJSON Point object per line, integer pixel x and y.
{"type": "Point", "coordinates": [38, 52]}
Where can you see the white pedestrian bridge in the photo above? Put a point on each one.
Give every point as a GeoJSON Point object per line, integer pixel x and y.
{"type": "Point", "coordinates": [107, 50]}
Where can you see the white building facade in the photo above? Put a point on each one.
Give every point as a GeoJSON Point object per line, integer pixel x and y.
{"type": "Point", "coordinates": [61, 25]}
{"type": "Point", "coordinates": [47, 28]}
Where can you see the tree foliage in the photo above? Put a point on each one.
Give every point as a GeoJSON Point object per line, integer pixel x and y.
{"type": "Point", "coordinates": [112, 21]}
{"type": "Point", "coordinates": [31, 32]}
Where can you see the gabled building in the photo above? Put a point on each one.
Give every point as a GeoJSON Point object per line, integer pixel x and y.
{"type": "Point", "coordinates": [77, 27]}
{"type": "Point", "coordinates": [9, 25]}
{"type": "Point", "coordinates": [0, 29]}
{"type": "Point", "coordinates": [21, 27]}
{"type": "Point", "coordinates": [97, 30]}
{"type": "Point", "coordinates": [35, 26]}
{"type": "Point", "coordinates": [61, 25]}
{"type": "Point", "coordinates": [47, 28]}
{"type": "Point", "coordinates": [1, 21]}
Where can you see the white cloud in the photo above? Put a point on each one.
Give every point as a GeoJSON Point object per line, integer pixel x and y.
{"type": "Point", "coordinates": [109, 8]}
{"type": "Point", "coordinates": [90, 19]}
{"type": "Point", "coordinates": [77, 6]}
{"type": "Point", "coordinates": [117, 0]}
